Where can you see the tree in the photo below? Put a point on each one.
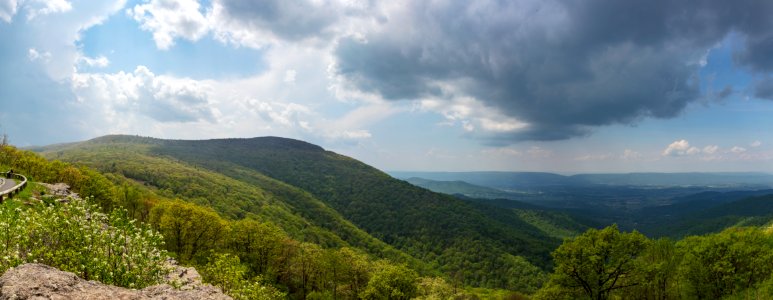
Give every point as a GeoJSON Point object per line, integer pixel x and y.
{"type": "Point", "coordinates": [391, 282]}
{"type": "Point", "coordinates": [257, 244]}
{"type": "Point", "coordinates": [188, 229]}
{"type": "Point", "coordinates": [722, 264]}
{"type": "Point", "coordinates": [659, 264]}
{"type": "Point", "coordinates": [599, 262]}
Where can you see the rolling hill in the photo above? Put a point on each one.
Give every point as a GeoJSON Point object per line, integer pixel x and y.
{"type": "Point", "coordinates": [332, 199]}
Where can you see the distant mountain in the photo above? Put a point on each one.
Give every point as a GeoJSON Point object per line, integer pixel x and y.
{"type": "Point", "coordinates": [458, 187]}
{"type": "Point", "coordinates": [509, 181]}
{"type": "Point", "coordinates": [497, 180]}
{"type": "Point", "coordinates": [678, 179]}
{"type": "Point", "coordinates": [332, 199]}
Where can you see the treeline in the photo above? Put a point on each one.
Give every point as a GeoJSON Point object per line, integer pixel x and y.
{"type": "Point", "coordinates": [736, 263]}
{"type": "Point", "coordinates": [247, 258]}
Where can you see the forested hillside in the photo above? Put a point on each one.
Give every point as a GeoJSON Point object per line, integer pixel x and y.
{"type": "Point", "coordinates": [280, 180]}
{"type": "Point", "coordinates": [247, 258]}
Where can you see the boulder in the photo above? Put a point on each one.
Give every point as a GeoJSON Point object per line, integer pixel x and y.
{"type": "Point", "coordinates": [37, 281]}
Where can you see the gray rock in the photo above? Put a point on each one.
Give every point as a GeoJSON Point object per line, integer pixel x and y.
{"type": "Point", "coordinates": [37, 281]}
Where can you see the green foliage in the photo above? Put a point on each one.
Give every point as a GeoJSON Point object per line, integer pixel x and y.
{"type": "Point", "coordinates": [234, 192]}
{"type": "Point", "coordinates": [726, 263]}
{"type": "Point", "coordinates": [391, 282]}
{"type": "Point", "coordinates": [330, 200]}
{"type": "Point", "coordinates": [449, 233]}
{"type": "Point", "coordinates": [434, 288]}
{"type": "Point", "coordinates": [659, 265]}
{"type": "Point", "coordinates": [229, 274]}
{"type": "Point", "coordinates": [188, 229]}
{"type": "Point", "coordinates": [599, 262]}
{"type": "Point", "coordinates": [76, 237]}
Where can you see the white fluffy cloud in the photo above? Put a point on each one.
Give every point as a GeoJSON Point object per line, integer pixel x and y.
{"type": "Point", "coordinates": [755, 144]}
{"type": "Point", "coordinates": [170, 19]}
{"type": "Point", "coordinates": [680, 148]}
{"type": "Point", "coordinates": [44, 7]}
{"type": "Point", "coordinates": [161, 98]}
{"type": "Point", "coordinates": [283, 114]}
{"type": "Point", "coordinates": [472, 115]}
{"type": "Point", "coordinates": [34, 8]}
{"type": "Point", "coordinates": [99, 62]}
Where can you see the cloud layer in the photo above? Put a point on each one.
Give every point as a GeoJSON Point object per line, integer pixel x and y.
{"type": "Point", "coordinates": [563, 67]}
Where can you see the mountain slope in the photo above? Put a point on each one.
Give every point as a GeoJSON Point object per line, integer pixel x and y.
{"type": "Point", "coordinates": [301, 215]}
{"type": "Point", "coordinates": [748, 211]}
{"type": "Point", "coordinates": [553, 223]}
{"type": "Point", "coordinates": [473, 243]}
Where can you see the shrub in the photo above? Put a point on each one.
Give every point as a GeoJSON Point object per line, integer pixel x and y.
{"type": "Point", "coordinates": [76, 237]}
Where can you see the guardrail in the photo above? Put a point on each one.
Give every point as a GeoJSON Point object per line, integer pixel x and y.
{"type": "Point", "coordinates": [16, 189]}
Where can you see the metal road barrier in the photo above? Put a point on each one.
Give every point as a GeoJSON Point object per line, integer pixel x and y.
{"type": "Point", "coordinates": [15, 189]}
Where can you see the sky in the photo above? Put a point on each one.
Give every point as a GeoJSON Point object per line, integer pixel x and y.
{"type": "Point", "coordinates": [522, 85]}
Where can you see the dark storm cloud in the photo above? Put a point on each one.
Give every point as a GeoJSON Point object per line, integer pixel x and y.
{"type": "Point", "coordinates": [562, 66]}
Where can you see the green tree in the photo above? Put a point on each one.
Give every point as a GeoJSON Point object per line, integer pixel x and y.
{"type": "Point", "coordinates": [599, 262]}
{"type": "Point", "coordinates": [391, 282]}
{"type": "Point", "coordinates": [188, 229]}
{"type": "Point", "coordinates": [722, 264]}
{"type": "Point", "coordinates": [257, 244]}
{"type": "Point", "coordinates": [659, 269]}
{"type": "Point", "coordinates": [226, 272]}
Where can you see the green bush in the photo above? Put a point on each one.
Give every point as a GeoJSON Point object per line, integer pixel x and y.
{"type": "Point", "coordinates": [227, 272]}
{"type": "Point", "coordinates": [76, 237]}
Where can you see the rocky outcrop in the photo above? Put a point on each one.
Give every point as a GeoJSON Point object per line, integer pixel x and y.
{"type": "Point", "coordinates": [36, 281]}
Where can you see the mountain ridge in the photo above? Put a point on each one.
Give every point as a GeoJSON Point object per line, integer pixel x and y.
{"type": "Point", "coordinates": [475, 243]}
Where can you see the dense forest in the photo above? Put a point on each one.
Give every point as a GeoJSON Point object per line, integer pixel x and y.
{"type": "Point", "coordinates": [275, 218]}
{"type": "Point", "coordinates": [247, 258]}
{"type": "Point", "coordinates": [469, 243]}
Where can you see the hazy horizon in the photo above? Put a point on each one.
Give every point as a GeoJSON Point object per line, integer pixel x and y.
{"type": "Point", "coordinates": [526, 85]}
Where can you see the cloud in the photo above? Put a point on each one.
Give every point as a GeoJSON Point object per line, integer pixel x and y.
{"type": "Point", "coordinates": [283, 114]}
{"type": "Point", "coordinates": [99, 62]}
{"type": "Point", "coordinates": [473, 117]}
{"type": "Point", "coordinates": [244, 23]}
{"type": "Point", "coordinates": [7, 10]}
{"type": "Point", "coordinates": [256, 23]}
{"type": "Point", "coordinates": [561, 67]}
{"type": "Point", "coordinates": [355, 134]}
{"type": "Point", "coordinates": [35, 56]}
{"type": "Point", "coordinates": [44, 7]}
{"type": "Point", "coordinates": [629, 154]}
{"type": "Point", "coordinates": [170, 19]}
{"type": "Point", "coordinates": [162, 98]}
{"type": "Point", "coordinates": [680, 148]}
{"type": "Point", "coordinates": [711, 149]}
{"type": "Point", "coordinates": [755, 144]}
{"type": "Point", "coordinates": [737, 150]}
